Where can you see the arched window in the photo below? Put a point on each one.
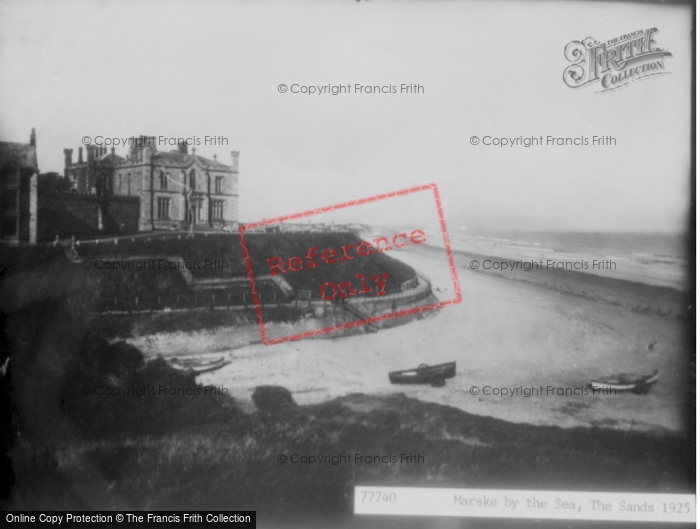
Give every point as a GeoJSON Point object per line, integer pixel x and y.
{"type": "Point", "coordinates": [163, 180]}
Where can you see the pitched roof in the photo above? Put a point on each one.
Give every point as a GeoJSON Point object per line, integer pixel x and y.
{"type": "Point", "coordinates": [108, 157]}
{"type": "Point", "coordinates": [178, 158]}
{"type": "Point", "coordinates": [17, 155]}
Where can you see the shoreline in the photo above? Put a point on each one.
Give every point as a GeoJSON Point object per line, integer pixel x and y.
{"type": "Point", "coordinates": [599, 286]}
{"type": "Point", "coordinates": [513, 329]}
{"type": "Point", "coordinates": [629, 264]}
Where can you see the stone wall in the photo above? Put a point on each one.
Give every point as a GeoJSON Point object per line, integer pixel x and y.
{"type": "Point", "coordinates": [66, 215]}
{"type": "Point", "coordinates": [120, 214]}
{"type": "Point", "coordinates": [82, 215]}
{"type": "Point", "coordinates": [334, 314]}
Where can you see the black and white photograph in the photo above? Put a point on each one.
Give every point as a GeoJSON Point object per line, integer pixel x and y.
{"type": "Point", "coordinates": [348, 263]}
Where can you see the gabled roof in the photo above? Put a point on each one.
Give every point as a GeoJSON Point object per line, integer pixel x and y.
{"type": "Point", "coordinates": [17, 155]}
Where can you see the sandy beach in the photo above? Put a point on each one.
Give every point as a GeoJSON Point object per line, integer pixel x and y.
{"type": "Point", "coordinates": [507, 334]}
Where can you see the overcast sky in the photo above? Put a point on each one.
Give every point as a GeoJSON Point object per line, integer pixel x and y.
{"type": "Point", "coordinates": [191, 69]}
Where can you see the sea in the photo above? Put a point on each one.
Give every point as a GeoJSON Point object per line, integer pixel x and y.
{"type": "Point", "coordinates": [660, 259]}
{"type": "Point", "coordinates": [673, 245]}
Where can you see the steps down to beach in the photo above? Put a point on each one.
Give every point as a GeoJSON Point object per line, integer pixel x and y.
{"type": "Point", "coordinates": [371, 327]}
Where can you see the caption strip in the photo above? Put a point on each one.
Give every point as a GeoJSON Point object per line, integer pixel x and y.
{"type": "Point", "coordinates": [493, 503]}
{"type": "Point", "coordinates": [240, 518]}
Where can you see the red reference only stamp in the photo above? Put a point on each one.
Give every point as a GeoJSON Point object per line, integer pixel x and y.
{"type": "Point", "coordinates": [328, 290]}
{"type": "Point", "coordinates": [334, 272]}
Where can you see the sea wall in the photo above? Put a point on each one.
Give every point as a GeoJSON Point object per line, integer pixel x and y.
{"type": "Point", "coordinates": [377, 307]}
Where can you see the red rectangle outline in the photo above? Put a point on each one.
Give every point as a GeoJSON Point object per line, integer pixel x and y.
{"type": "Point", "coordinates": [342, 205]}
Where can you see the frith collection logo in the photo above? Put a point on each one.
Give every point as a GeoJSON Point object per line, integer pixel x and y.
{"type": "Point", "coordinates": [615, 63]}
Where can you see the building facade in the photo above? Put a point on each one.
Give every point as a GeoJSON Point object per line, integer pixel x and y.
{"type": "Point", "coordinates": [19, 173]}
{"type": "Point", "coordinates": [176, 189]}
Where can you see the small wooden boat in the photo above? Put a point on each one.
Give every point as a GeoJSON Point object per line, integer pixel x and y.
{"type": "Point", "coordinates": [424, 374]}
{"type": "Point", "coordinates": [627, 382]}
{"type": "Point", "coordinates": [198, 365]}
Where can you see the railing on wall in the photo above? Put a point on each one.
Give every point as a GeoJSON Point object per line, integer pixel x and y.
{"type": "Point", "coordinates": [423, 288]}
{"type": "Point", "coordinates": [269, 293]}
{"type": "Point", "coordinates": [130, 239]}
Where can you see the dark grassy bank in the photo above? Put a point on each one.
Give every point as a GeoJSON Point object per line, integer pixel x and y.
{"type": "Point", "coordinates": [44, 271]}
{"type": "Point", "coordinates": [35, 273]}
{"type": "Point", "coordinates": [261, 246]}
{"type": "Point", "coordinates": [200, 247]}
{"type": "Point", "coordinates": [288, 245]}
{"type": "Point", "coordinates": [232, 463]}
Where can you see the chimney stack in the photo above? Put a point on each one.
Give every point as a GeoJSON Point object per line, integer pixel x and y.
{"type": "Point", "coordinates": [141, 149]}
{"type": "Point", "coordinates": [80, 155]}
{"type": "Point", "coordinates": [32, 138]}
{"type": "Point", "coordinates": [234, 161]}
{"type": "Point", "coordinates": [91, 166]}
{"type": "Point", "coordinates": [68, 157]}
{"type": "Point", "coordinates": [182, 146]}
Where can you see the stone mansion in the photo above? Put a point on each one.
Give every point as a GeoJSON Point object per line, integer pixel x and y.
{"type": "Point", "coordinates": [176, 189]}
